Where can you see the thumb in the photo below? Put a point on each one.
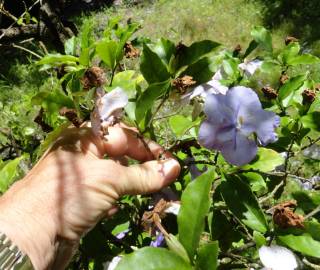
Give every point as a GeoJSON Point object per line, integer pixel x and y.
{"type": "Point", "coordinates": [149, 177]}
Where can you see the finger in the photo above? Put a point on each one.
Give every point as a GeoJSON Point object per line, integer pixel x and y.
{"type": "Point", "coordinates": [124, 141]}
{"type": "Point", "coordinates": [116, 180]}
{"type": "Point", "coordinates": [148, 177]}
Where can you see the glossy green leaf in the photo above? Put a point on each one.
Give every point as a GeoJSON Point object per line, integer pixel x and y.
{"type": "Point", "coordinates": [190, 55]}
{"type": "Point", "coordinates": [175, 246]}
{"type": "Point", "coordinates": [255, 181]}
{"type": "Point", "coordinates": [106, 50]}
{"type": "Point", "coordinates": [180, 124]}
{"type": "Point", "coordinates": [149, 258]}
{"type": "Point", "coordinates": [70, 46]}
{"type": "Point", "coordinates": [207, 258]}
{"type": "Point", "coordinates": [151, 66]}
{"type": "Point", "coordinates": [8, 173]}
{"type": "Point", "coordinates": [291, 86]}
{"type": "Point", "coordinates": [165, 49]}
{"type": "Point", "coordinates": [311, 120]}
{"type": "Point", "coordinates": [201, 71]}
{"type": "Point", "coordinates": [195, 202]}
{"type": "Point", "coordinates": [266, 160]}
{"type": "Point", "coordinates": [57, 59]}
{"type": "Point", "coordinates": [263, 37]}
{"type": "Point", "coordinates": [126, 81]}
{"type": "Point", "coordinates": [289, 52]}
{"type": "Point", "coordinates": [243, 203]}
{"type": "Point", "coordinates": [259, 239]}
{"type": "Point", "coordinates": [148, 97]}
{"type": "Point", "coordinates": [302, 243]}
{"type": "Point", "coordinates": [305, 59]}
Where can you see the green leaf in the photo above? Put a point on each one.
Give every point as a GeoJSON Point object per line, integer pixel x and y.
{"type": "Point", "coordinates": [207, 258]}
{"type": "Point", "coordinates": [255, 181]}
{"type": "Point", "coordinates": [305, 59]}
{"type": "Point", "coordinates": [263, 37]}
{"type": "Point", "coordinates": [84, 58]}
{"type": "Point", "coordinates": [57, 59]}
{"type": "Point", "coordinates": [289, 52]}
{"type": "Point", "coordinates": [106, 50]}
{"type": "Point", "coordinates": [165, 49]}
{"type": "Point", "coordinates": [259, 239]}
{"type": "Point", "coordinates": [243, 203]}
{"type": "Point", "coordinates": [87, 35]}
{"type": "Point", "coordinates": [148, 97]}
{"type": "Point", "coordinates": [8, 173]}
{"type": "Point", "coordinates": [291, 86]}
{"type": "Point", "coordinates": [151, 66]}
{"type": "Point", "coordinates": [197, 50]}
{"type": "Point", "coordinates": [201, 71]}
{"type": "Point", "coordinates": [302, 243]}
{"type": "Point", "coordinates": [175, 246]}
{"type": "Point", "coordinates": [126, 81]}
{"type": "Point", "coordinates": [180, 124]}
{"type": "Point", "coordinates": [149, 258]}
{"type": "Point", "coordinates": [267, 160]}
{"type": "Point", "coordinates": [70, 46]}
{"type": "Point", "coordinates": [311, 120]}
{"type": "Point", "coordinates": [195, 203]}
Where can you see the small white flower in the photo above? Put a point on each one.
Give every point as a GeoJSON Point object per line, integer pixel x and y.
{"type": "Point", "coordinates": [173, 208]}
{"type": "Point", "coordinates": [278, 258]}
{"type": "Point", "coordinates": [108, 109]}
{"type": "Point", "coordinates": [250, 67]}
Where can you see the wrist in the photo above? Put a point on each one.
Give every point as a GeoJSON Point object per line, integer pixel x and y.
{"type": "Point", "coordinates": [29, 228]}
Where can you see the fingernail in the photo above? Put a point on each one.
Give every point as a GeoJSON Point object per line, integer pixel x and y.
{"type": "Point", "coordinates": [171, 169]}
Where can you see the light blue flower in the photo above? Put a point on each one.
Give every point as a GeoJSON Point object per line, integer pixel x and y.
{"type": "Point", "coordinates": [233, 121]}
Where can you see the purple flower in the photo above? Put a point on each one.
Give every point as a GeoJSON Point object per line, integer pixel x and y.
{"type": "Point", "coordinates": [233, 120]}
{"type": "Point", "coordinates": [159, 241]}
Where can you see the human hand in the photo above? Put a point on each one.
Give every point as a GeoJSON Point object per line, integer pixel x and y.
{"type": "Point", "coordinates": [73, 187]}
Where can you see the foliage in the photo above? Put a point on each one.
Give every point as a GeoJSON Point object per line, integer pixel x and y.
{"type": "Point", "coordinates": [225, 210]}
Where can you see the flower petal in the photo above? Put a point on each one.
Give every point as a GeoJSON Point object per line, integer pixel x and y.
{"type": "Point", "coordinates": [244, 96]}
{"type": "Point", "coordinates": [112, 101]}
{"type": "Point", "coordinates": [250, 67]}
{"type": "Point", "coordinates": [241, 152]}
{"type": "Point", "coordinates": [265, 123]}
{"type": "Point", "coordinates": [215, 136]}
{"type": "Point", "coordinates": [277, 258]}
{"type": "Point", "coordinates": [218, 111]}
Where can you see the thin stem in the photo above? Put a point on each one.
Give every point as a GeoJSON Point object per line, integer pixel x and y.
{"type": "Point", "coordinates": [313, 212]}
{"type": "Point", "coordinates": [311, 143]}
{"type": "Point", "coordinates": [26, 50]}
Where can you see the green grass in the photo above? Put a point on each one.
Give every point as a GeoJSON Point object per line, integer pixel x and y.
{"type": "Point", "coordinates": [225, 21]}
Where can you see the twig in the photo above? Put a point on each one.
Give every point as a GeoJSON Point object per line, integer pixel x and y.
{"type": "Point", "coordinates": [311, 143]}
{"type": "Point", "coordinates": [272, 193]}
{"type": "Point", "coordinates": [313, 212]}
{"type": "Point", "coordinates": [312, 265]}
{"type": "Point", "coordinates": [11, 25]}
{"type": "Point", "coordinates": [26, 50]}
{"type": "Point", "coordinates": [157, 110]}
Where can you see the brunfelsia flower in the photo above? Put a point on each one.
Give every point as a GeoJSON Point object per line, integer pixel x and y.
{"type": "Point", "coordinates": [250, 67]}
{"type": "Point", "coordinates": [214, 86]}
{"type": "Point", "coordinates": [232, 122]}
{"type": "Point", "coordinates": [278, 258]}
{"type": "Point", "coordinates": [108, 109]}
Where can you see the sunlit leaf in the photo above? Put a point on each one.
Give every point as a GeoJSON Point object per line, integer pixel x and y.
{"type": "Point", "coordinates": [207, 258]}
{"type": "Point", "coordinates": [149, 258]}
{"type": "Point", "coordinates": [195, 202]}
{"type": "Point", "coordinates": [243, 203]}
{"type": "Point", "coordinates": [151, 66]}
